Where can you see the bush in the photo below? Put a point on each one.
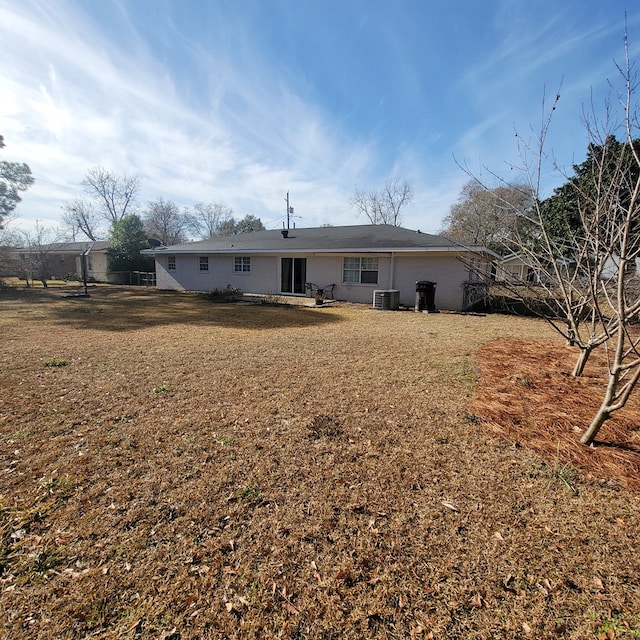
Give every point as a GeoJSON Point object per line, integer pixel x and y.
{"type": "Point", "coordinates": [228, 294]}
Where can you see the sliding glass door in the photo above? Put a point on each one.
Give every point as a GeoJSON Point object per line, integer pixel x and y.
{"type": "Point", "coordinates": [293, 275]}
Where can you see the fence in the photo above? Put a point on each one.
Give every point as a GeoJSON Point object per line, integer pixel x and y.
{"type": "Point", "coordinates": [144, 278]}
{"type": "Point", "coordinates": [138, 278]}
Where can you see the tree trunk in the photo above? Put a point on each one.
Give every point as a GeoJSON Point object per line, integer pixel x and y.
{"type": "Point", "coordinates": [604, 412]}
{"type": "Point", "coordinates": [598, 420]}
{"type": "Point", "coordinates": [579, 366]}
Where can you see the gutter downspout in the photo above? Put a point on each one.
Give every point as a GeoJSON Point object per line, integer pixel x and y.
{"type": "Point", "coordinates": [393, 264]}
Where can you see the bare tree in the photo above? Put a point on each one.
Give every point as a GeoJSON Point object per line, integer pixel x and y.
{"type": "Point", "coordinates": [565, 273]}
{"type": "Point", "coordinates": [211, 217]}
{"type": "Point", "coordinates": [589, 275]}
{"type": "Point", "coordinates": [116, 193]}
{"type": "Point", "coordinates": [384, 206]}
{"type": "Point", "coordinates": [615, 237]}
{"type": "Point", "coordinates": [80, 216]}
{"type": "Point", "coordinates": [489, 216]}
{"type": "Point", "coordinates": [165, 222]}
{"type": "Point", "coordinates": [39, 244]}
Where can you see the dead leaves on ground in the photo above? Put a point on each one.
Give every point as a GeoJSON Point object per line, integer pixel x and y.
{"type": "Point", "coordinates": [525, 395]}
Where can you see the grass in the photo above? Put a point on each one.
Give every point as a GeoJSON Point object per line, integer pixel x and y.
{"type": "Point", "coordinates": [564, 472]}
{"type": "Point", "coordinates": [56, 362]}
{"type": "Point", "coordinates": [331, 472]}
{"type": "Point", "coordinates": [250, 493]}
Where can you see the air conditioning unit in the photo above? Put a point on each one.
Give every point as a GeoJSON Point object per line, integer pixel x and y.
{"type": "Point", "coordinates": [386, 299]}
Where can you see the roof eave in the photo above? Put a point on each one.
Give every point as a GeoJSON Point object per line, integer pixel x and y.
{"type": "Point", "coordinates": [331, 250]}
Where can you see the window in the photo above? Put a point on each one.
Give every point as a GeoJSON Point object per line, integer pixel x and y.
{"type": "Point", "coordinates": [171, 263]}
{"type": "Point", "coordinates": [242, 264]}
{"type": "Point", "coordinates": [361, 270]}
{"type": "Point", "coordinates": [204, 263]}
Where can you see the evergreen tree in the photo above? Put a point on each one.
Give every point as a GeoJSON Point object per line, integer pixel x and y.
{"type": "Point", "coordinates": [608, 174]}
{"type": "Point", "coordinates": [128, 238]}
{"type": "Point", "coordinates": [14, 177]}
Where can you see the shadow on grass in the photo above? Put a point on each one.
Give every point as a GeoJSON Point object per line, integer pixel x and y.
{"type": "Point", "coordinates": [113, 308]}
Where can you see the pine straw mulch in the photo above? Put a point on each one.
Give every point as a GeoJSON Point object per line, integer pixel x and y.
{"type": "Point", "coordinates": [526, 395]}
{"type": "Point", "coordinates": [172, 469]}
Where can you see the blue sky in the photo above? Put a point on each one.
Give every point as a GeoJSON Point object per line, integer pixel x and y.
{"type": "Point", "coordinates": [240, 101]}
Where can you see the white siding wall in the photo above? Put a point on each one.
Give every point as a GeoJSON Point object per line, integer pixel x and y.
{"type": "Point", "coordinates": [324, 270]}
{"type": "Point", "coordinates": [399, 273]}
{"type": "Point", "coordinates": [328, 269]}
{"type": "Point", "coordinates": [445, 270]}
{"type": "Point", "coordinates": [263, 277]}
{"type": "Point", "coordinates": [97, 264]}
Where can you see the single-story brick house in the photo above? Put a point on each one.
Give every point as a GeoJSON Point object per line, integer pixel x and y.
{"type": "Point", "coordinates": [61, 260]}
{"type": "Point", "coordinates": [351, 261]}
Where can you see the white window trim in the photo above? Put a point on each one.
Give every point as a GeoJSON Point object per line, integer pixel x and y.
{"type": "Point", "coordinates": [241, 271]}
{"type": "Point", "coordinates": [360, 270]}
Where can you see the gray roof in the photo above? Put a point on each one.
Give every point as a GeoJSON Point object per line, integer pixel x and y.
{"type": "Point", "coordinates": [358, 238]}
{"type": "Point", "coordinates": [72, 247]}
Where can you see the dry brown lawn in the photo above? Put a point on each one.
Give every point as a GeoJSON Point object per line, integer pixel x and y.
{"type": "Point", "coordinates": [173, 469]}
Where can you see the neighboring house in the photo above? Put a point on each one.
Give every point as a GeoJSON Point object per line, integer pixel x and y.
{"type": "Point", "coordinates": [515, 268]}
{"type": "Point", "coordinates": [63, 260]}
{"type": "Point", "coordinates": [353, 261]}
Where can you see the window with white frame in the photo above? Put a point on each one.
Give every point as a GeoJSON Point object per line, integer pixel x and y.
{"type": "Point", "coordinates": [360, 270]}
{"type": "Point", "coordinates": [171, 263]}
{"type": "Point", "coordinates": [242, 264]}
{"type": "Point", "coordinates": [204, 263]}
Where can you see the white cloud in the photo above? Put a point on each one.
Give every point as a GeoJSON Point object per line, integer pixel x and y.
{"type": "Point", "coordinates": [234, 123]}
{"type": "Point", "coordinates": [76, 100]}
